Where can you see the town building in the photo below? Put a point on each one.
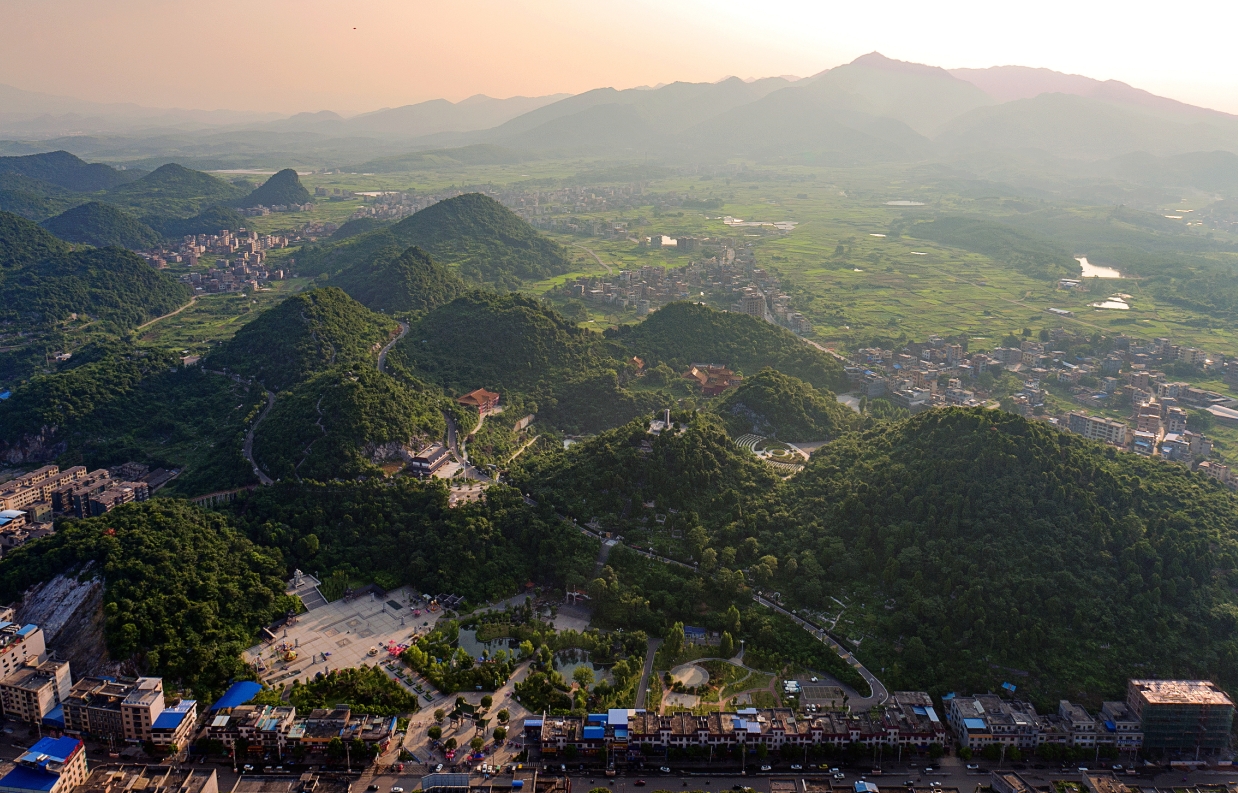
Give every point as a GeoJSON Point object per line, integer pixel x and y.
{"type": "Point", "coordinates": [35, 690]}
{"type": "Point", "coordinates": [429, 459]}
{"type": "Point", "coordinates": [1097, 428]}
{"type": "Point", "coordinates": [174, 726]}
{"type": "Point", "coordinates": [53, 765]}
{"type": "Point", "coordinates": [113, 709]}
{"type": "Point", "coordinates": [150, 779]}
{"type": "Point", "coordinates": [1181, 715]}
{"type": "Point", "coordinates": [987, 719]}
{"type": "Point", "coordinates": [713, 378]}
{"type": "Point", "coordinates": [140, 707]}
{"type": "Point", "coordinates": [19, 645]}
{"type": "Point", "coordinates": [481, 399]}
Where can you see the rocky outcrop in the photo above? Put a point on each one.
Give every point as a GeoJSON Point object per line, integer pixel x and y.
{"type": "Point", "coordinates": [41, 448]}
{"type": "Point", "coordinates": [70, 612]}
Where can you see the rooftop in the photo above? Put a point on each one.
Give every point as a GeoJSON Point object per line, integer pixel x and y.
{"type": "Point", "coordinates": [23, 778]}
{"type": "Point", "coordinates": [1180, 692]}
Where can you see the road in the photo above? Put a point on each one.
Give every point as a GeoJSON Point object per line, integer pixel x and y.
{"type": "Point", "coordinates": [382, 356]}
{"type": "Point", "coordinates": [248, 448]}
{"type": "Point", "coordinates": [643, 687]}
{"type": "Point", "coordinates": [879, 695]}
{"type": "Point", "coordinates": [595, 256]}
{"type": "Point", "coordinates": [192, 300]}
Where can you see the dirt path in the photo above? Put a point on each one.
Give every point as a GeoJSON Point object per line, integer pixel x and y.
{"type": "Point", "coordinates": [595, 256]}
{"type": "Point", "coordinates": [192, 300]}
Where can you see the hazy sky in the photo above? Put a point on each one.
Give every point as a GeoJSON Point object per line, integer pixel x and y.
{"type": "Point", "coordinates": [357, 55]}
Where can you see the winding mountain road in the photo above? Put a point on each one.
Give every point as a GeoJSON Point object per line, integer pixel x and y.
{"type": "Point", "coordinates": [248, 448]}
{"type": "Point", "coordinates": [382, 356]}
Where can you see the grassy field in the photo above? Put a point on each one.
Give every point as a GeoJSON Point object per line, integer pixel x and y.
{"type": "Point", "coordinates": [214, 318]}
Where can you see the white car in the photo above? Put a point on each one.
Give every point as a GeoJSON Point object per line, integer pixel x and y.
{"type": "Point", "coordinates": [397, 789]}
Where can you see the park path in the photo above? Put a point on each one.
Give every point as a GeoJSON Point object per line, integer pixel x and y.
{"type": "Point", "coordinates": [192, 300]}
{"type": "Point", "coordinates": [642, 688]}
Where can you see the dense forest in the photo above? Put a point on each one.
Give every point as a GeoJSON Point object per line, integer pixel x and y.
{"type": "Point", "coordinates": [184, 592]}
{"type": "Point", "coordinates": [777, 405]}
{"type": "Point", "coordinates": [67, 171]}
{"type": "Point", "coordinates": [999, 543]}
{"type": "Point", "coordinates": [682, 334]}
{"type": "Point", "coordinates": [174, 190]}
{"type": "Point", "coordinates": [343, 423]}
{"type": "Point", "coordinates": [307, 333]}
{"type": "Point", "coordinates": [403, 532]}
{"type": "Point", "coordinates": [99, 224]}
{"type": "Point", "coordinates": [486, 242]}
{"type": "Point", "coordinates": [410, 281]}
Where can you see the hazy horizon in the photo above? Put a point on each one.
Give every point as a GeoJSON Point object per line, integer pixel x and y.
{"type": "Point", "coordinates": [289, 57]}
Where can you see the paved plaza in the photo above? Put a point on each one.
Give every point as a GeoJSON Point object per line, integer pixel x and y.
{"type": "Point", "coordinates": [340, 635]}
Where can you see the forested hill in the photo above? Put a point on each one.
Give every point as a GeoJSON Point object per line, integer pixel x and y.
{"type": "Point", "coordinates": [699, 473]}
{"type": "Point", "coordinates": [487, 242]}
{"type": "Point", "coordinates": [307, 333]}
{"type": "Point", "coordinates": [174, 190]}
{"type": "Point", "coordinates": [99, 224]}
{"type": "Point", "coordinates": [1002, 544]}
{"type": "Point", "coordinates": [67, 170]}
{"type": "Point", "coordinates": [778, 405]}
{"type": "Point", "coordinates": [282, 188]}
{"type": "Point", "coordinates": [682, 334]}
{"type": "Point", "coordinates": [410, 281]}
{"type": "Point", "coordinates": [41, 280]}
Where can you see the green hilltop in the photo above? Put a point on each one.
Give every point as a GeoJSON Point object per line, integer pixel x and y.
{"type": "Point", "coordinates": [486, 242]}
{"type": "Point", "coordinates": [411, 281]}
{"type": "Point", "coordinates": [778, 405]}
{"type": "Point", "coordinates": [211, 220]}
{"type": "Point", "coordinates": [62, 169]}
{"type": "Point", "coordinates": [99, 224]}
{"type": "Point", "coordinates": [41, 278]}
{"type": "Point", "coordinates": [307, 333]}
{"type": "Point", "coordinates": [172, 189]}
{"type": "Point", "coordinates": [33, 199]}
{"type": "Point", "coordinates": [341, 423]}
{"type": "Point", "coordinates": [681, 334]}
{"type": "Point", "coordinates": [282, 188]}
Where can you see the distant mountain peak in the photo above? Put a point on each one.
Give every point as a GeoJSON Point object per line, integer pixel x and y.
{"type": "Point", "coordinates": [875, 60]}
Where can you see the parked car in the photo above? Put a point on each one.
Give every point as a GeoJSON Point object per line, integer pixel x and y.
{"type": "Point", "coordinates": [973, 767]}
{"type": "Point", "coordinates": [372, 786]}
{"type": "Point", "coordinates": [665, 769]}
{"type": "Point", "coordinates": [766, 768]}
{"type": "Point", "coordinates": [397, 789]}
{"type": "Point", "coordinates": [640, 783]}
{"type": "Point", "coordinates": [797, 767]}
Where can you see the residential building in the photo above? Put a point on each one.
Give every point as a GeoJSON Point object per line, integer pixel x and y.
{"type": "Point", "coordinates": [1081, 725]}
{"type": "Point", "coordinates": [1120, 721]}
{"type": "Point", "coordinates": [1097, 428]}
{"type": "Point", "coordinates": [1181, 715]}
{"type": "Point", "coordinates": [94, 708]}
{"type": "Point", "coordinates": [150, 779]}
{"type": "Point", "coordinates": [140, 707]}
{"type": "Point", "coordinates": [174, 726]}
{"type": "Point", "coordinates": [1219, 472]}
{"type": "Point", "coordinates": [1010, 782]}
{"type": "Point", "coordinates": [753, 304]}
{"type": "Point", "coordinates": [53, 765]}
{"type": "Point", "coordinates": [979, 721]}
{"type": "Point", "coordinates": [20, 644]}
{"type": "Point", "coordinates": [713, 378]}
{"type": "Point", "coordinates": [35, 690]}
{"type": "Point", "coordinates": [1143, 442]}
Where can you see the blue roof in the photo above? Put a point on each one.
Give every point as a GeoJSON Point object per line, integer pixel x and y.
{"type": "Point", "coordinates": [5, 394]}
{"type": "Point", "coordinates": [238, 694]}
{"type": "Point", "coordinates": [55, 717]}
{"type": "Point", "coordinates": [23, 778]}
{"type": "Point", "coordinates": [600, 718]}
{"type": "Point", "coordinates": [58, 749]}
{"type": "Point", "coordinates": [595, 733]}
{"type": "Point", "coordinates": [974, 724]}
{"type": "Point", "coordinates": [533, 722]}
{"type": "Point", "coordinates": [693, 631]}
{"type": "Point", "coordinates": [621, 734]}
{"type": "Point", "coordinates": [26, 630]}
{"type": "Point", "coordinates": [169, 719]}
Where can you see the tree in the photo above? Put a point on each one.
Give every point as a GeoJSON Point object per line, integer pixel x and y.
{"type": "Point", "coordinates": [675, 640]}
{"type": "Point", "coordinates": [434, 733]}
{"type": "Point", "coordinates": [935, 750]}
{"type": "Point", "coordinates": [727, 647]}
{"type": "Point", "coordinates": [477, 743]}
{"type": "Point", "coordinates": [731, 620]}
{"type": "Point", "coordinates": [583, 676]}
{"type": "Point", "coordinates": [500, 733]}
{"type": "Point", "coordinates": [504, 715]}
{"type": "Point", "coordinates": [451, 744]}
{"type": "Point", "coordinates": [439, 715]}
{"type": "Point", "coordinates": [526, 649]}
{"type": "Point", "coordinates": [487, 701]}
{"type": "Point", "coordinates": [335, 749]}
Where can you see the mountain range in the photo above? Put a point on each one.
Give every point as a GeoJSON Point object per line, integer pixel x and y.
{"type": "Point", "coordinates": [870, 110]}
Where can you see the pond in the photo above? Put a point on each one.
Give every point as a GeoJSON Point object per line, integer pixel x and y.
{"type": "Point", "coordinates": [1095, 270]}
{"type": "Point", "coordinates": [568, 661]}
{"type": "Point", "coordinates": [468, 641]}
